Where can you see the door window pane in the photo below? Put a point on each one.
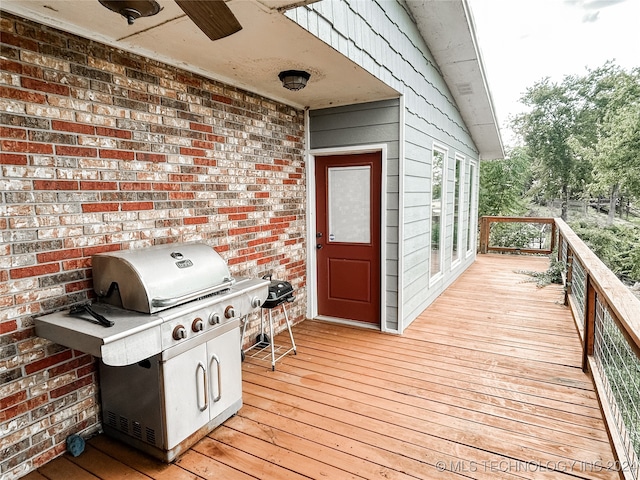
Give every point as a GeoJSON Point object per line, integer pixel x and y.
{"type": "Point", "coordinates": [349, 208]}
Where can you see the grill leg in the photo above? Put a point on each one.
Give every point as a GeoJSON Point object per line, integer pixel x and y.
{"type": "Point", "coordinates": [286, 317]}
{"type": "Point", "coordinates": [273, 352]}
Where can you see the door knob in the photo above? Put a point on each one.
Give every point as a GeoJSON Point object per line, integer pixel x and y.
{"type": "Point", "coordinates": [318, 246]}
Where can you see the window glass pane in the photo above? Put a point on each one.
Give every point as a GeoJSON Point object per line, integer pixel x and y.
{"type": "Point", "coordinates": [455, 252]}
{"type": "Point", "coordinates": [349, 204]}
{"type": "Point", "coordinates": [470, 200]}
{"type": "Point", "coordinates": [437, 171]}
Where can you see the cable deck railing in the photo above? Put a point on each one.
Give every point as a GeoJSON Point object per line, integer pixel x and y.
{"type": "Point", "coordinates": [607, 318]}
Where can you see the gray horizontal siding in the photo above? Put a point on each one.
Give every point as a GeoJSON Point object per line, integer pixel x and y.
{"type": "Point", "coordinates": [360, 125]}
{"type": "Point", "coordinates": [380, 36]}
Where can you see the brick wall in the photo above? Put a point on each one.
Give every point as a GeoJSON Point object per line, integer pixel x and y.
{"type": "Point", "coordinates": [103, 150]}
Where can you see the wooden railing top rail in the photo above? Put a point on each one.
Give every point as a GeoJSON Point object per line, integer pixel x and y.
{"type": "Point", "coordinates": [619, 298]}
{"type": "Point", "coordinates": [497, 219]}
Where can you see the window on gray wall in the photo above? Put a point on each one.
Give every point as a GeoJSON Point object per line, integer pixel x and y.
{"type": "Point", "coordinates": [437, 210]}
{"type": "Point", "coordinates": [470, 208]}
{"type": "Point", "coordinates": [457, 218]}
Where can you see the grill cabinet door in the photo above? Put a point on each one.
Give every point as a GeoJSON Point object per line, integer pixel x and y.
{"type": "Point", "coordinates": [185, 387]}
{"type": "Point", "coordinates": [225, 374]}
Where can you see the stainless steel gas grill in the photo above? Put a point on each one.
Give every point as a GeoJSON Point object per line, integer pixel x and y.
{"type": "Point", "coordinates": [170, 362]}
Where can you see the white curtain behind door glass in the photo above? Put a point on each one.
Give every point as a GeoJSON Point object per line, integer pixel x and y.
{"type": "Point", "coordinates": [349, 204]}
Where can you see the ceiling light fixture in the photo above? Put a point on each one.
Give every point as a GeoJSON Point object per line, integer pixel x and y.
{"type": "Point", "coordinates": [132, 9]}
{"type": "Point", "coordinates": [294, 79]}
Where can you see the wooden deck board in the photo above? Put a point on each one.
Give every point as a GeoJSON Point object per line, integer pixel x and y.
{"type": "Point", "coordinates": [485, 384]}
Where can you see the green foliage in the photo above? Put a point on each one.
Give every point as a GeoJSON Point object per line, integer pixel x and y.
{"type": "Point", "coordinates": [552, 275]}
{"type": "Point", "coordinates": [616, 245]}
{"type": "Point", "coordinates": [516, 235]}
{"type": "Point", "coordinates": [503, 184]}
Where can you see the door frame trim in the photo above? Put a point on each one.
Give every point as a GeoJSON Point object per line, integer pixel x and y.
{"type": "Point", "coordinates": [312, 269]}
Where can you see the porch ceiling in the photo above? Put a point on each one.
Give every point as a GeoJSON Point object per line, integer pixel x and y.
{"type": "Point", "coordinates": [449, 31]}
{"type": "Point", "coordinates": [251, 58]}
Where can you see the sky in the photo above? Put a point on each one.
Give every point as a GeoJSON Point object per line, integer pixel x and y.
{"type": "Point", "coordinates": [524, 41]}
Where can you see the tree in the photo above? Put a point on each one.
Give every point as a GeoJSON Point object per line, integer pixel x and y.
{"type": "Point", "coordinates": [546, 130]}
{"type": "Point", "coordinates": [610, 132]}
{"type": "Point", "coordinates": [503, 184]}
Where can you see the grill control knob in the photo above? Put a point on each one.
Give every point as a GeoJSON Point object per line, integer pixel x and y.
{"type": "Point", "coordinates": [179, 333]}
{"type": "Point", "coordinates": [256, 302]}
{"type": "Point", "coordinates": [230, 312]}
{"type": "Point", "coordinates": [214, 319]}
{"type": "Point", "coordinates": [197, 325]}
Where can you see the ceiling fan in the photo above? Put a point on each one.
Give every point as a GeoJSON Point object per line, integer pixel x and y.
{"type": "Point", "coordinates": [213, 17]}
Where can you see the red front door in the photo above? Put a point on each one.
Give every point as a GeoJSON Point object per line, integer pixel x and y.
{"type": "Point", "coordinates": [348, 192]}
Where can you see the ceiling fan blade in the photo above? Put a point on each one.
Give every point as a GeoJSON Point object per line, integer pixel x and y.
{"type": "Point", "coordinates": [213, 17]}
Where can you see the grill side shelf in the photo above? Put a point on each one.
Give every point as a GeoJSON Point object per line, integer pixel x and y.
{"type": "Point", "coordinates": [133, 337]}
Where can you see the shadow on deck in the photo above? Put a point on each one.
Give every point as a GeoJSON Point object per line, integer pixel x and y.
{"type": "Point", "coordinates": [486, 383]}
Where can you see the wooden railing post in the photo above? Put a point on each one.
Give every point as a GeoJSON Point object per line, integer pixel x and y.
{"type": "Point", "coordinates": [589, 322]}
{"type": "Point", "coordinates": [484, 234]}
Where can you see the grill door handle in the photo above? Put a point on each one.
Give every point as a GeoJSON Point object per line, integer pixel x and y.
{"type": "Point", "coordinates": [215, 358]}
{"type": "Point", "coordinates": [204, 385]}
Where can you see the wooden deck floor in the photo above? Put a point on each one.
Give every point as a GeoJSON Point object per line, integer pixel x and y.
{"type": "Point", "coordinates": [485, 384]}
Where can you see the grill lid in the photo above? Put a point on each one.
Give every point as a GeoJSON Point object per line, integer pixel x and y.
{"type": "Point", "coordinates": [151, 279]}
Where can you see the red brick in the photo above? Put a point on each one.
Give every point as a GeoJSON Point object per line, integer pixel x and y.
{"type": "Point", "coordinates": [87, 185]}
{"type": "Point", "coordinates": [17, 133]}
{"type": "Point", "coordinates": [100, 207]}
{"type": "Point", "coordinates": [77, 286]}
{"type": "Point", "coordinates": [19, 41]}
{"type": "Point", "coordinates": [132, 206]}
{"type": "Point", "coordinates": [201, 127]}
{"type": "Point", "coordinates": [11, 400]}
{"type": "Point", "coordinates": [58, 255]}
{"type": "Point", "coordinates": [22, 95]}
{"type": "Point", "coordinates": [195, 220]}
{"type": "Point", "coordinates": [238, 216]}
{"type": "Point", "coordinates": [73, 127]}
{"type": "Point", "coordinates": [193, 152]}
{"type": "Point", "coordinates": [221, 99]}
{"type": "Point", "coordinates": [117, 154]}
{"type": "Point", "coordinates": [69, 366]}
{"type": "Point", "coordinates": [181, 195]}
{"type": "Point", "coordinates": [13, 159]}
{"type": "Point", "coordinates": [77, 264]}
{"type": "Point", "coordinates": [7, 65]}
{"type": "Point", "coordinates": [55, 88]}
{"type": "Point", "coordinates": [55, 185]}
{"type": "Point", "coordinates": [76, 151]}
{"type": "Point", "coordinates": [166, 186]}
{"type": "Point", "coordinates": [71, 387]}
{"type": "Point", "coordinates": [34, 271]}
{"type": "Point", "coordinates": [47, 362]}
{"type": "Point", "coordinates": [28, 147]}
{"type": "Point", "coordinates": [113, 132]}
{"type": "Point", "coordinates": [262, 195]}
{"type": "Point", "coordinates": [226, 210]}
{"type": "Point", "coordinates": [10, 326]}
